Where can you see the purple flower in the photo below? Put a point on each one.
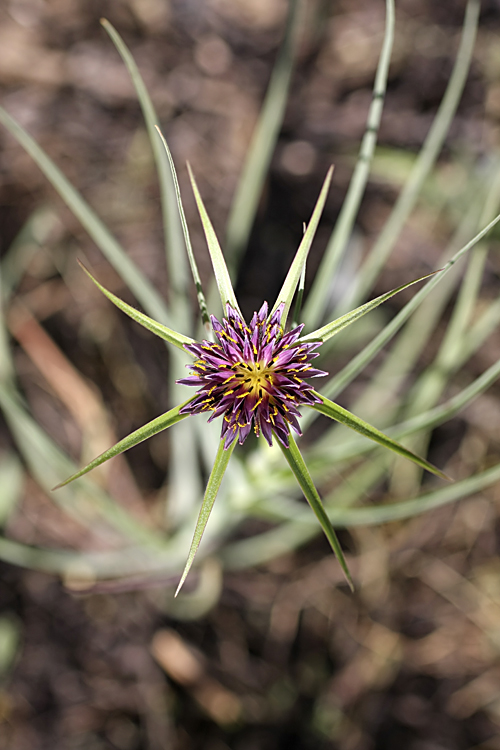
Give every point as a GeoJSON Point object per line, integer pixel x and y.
{"type": "Point", "coordinates": [253, 375]}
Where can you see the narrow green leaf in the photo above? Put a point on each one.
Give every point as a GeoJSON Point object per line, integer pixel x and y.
{"type": "Point", "coordinates": [418, 505]}
{"type": "Point", "coordinates": [259, 549]}
{"type": "Point", "coordinates": [329, 330]}
{"type": "Point", "coordinates": [224, 285]}
{"type": "Point", "coordinates": [426, 158]}
{"type": "Point", "coordinates": [171, 225]}
{"type": "Point", "coordinates": [318, 296]}
{"type": "Point", "coordinates": [47, 463]}
{"type": "Point", "coordinates": [11, 485]}
{"type": "Point", "coordinates": [298, 302]}
{"type": "Point", "coordinates": [294, 273]}
{"type": "Point", "coordinates": [424, 421]}
{"type": "Point", "coordinates": [336, 384]}
{"type": "Point", "coordinates": [145, 292]}
{"type": "Point", "coordinates": [339, 414]}
{"type": "Point", "coordinates": [299, 468]}
{"type": "Point", "coordinates": [177, 339]}
{"type": "Point", "coordinates": [143, 433]}
{"type": "Point", "coordinates": [189, 248]}
{"type": "Point", "coordinates": [264, 139]}
{"type": "Point", "coordinates": [214, 482]}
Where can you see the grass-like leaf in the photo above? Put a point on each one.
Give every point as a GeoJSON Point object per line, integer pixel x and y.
{"type": "Point", "coordinates": [266, 546]}
{"type": "Point", "coordinates": [264, 139]}
{"type": "Point", "coordinates": [214, 482]}
{"type": "Point", "coordinates": [177, 339]}
{"type": "Point", "coordinates": [293, 276]}
{"type": "Point", "coordinates": [336, 384]}
{"type": "Point", "coordinates": [143, 433]}
{"type": "Point", "coordinates": [171, 226]}
{"type": "Point", "coordinates": [331, 329]}
{"type": "Point", "coordinates": [11, 483]}
{"type": "Point", "coordinates": [341, 415]}
{"type": "Point", "coordinates": [145, 292]}
{"type": "Point", "coordinates": [299, 468]}
{"type": "Point", "coordinates": [424, 421]}
{"type": "Point", "coordinates": [221, 273]}
{"type": "Point", "coordinates": [425, 161]}
{"type": "Point", "coordinates": [318, 296]}
{"type": "Point", "coordinates": [298, 300]}
{"type": "Point", "coordinates": [187, 238]}
{"type": "Point", "coordinates": [46, 463]}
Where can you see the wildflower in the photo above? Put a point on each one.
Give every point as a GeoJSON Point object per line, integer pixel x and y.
{"type": "Point", "coordinates": [253, 375]}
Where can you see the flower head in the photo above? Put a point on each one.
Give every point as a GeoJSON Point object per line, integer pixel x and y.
{"type": "Point", "coordinates": [253, 375]}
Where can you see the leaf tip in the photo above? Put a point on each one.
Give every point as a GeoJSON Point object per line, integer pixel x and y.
{"type": "Point", "coordinates": [181, 584]}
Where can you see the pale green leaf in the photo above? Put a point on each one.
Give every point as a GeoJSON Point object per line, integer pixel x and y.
{"type": "Point", "coordinates": [341, 415]}
{"type": "Point", "coordinates": [293, 276]}
{"type": "Point", "coordinates": [143, 433]}
{"type": "Point", "coordinates": [318, 296]}
{"type": "Point", "coordinates": [11, 485]}
{"type": "Point", "coordinates": [214, 482]}
{"type": "Point", "coordinates": [299, 468]}
{"type": "Point", "coordinates": [173, 237]}
{"type": "Point", "coordinates": [187, 238]}
{"type": "Point", "coordinates": [221, 273]}
{"type": "Point", "coordinates": [47, 463]}
{"type": "Point", "coordinates": [145, 292]}
{"type": "Point", "coordinates": [330, 454]}
{"type": "Point", "coordinates": [361, 360]}
{"type": "Point", "coordinates": [10, 638]}
{"type": "Point", "coordinates": [298, 301]}
{"type": "Point", "coordinates": [261, 148]}
{"type": "Point", "coordinates": [287, 536]}
{"type": "Point", "coordinates": [331, 329]}
{"type": "Point", "coordinates": [177, 339]}
{"type": "Point", "coordinates": [426, 159]}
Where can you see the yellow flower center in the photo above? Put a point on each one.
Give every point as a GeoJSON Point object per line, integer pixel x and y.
{"type": "Point", "coordinates": [254, 377]}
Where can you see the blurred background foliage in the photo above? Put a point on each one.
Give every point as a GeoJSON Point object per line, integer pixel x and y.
{"type": "Point", "coordinates": [282, 656]}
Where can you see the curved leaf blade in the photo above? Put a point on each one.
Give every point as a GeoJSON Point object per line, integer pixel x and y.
{"type": "Point", "coordinates": [318, 296]}
{"type": "Point", "coordinates": [221, 273]}
{"type": "Point", "coordinates": [264, 140]}
{"type": "Point", "coordinates": [293, 276]}
{"type": "Point", "coordinates": [167, 334]}
{"type": "Point", "coordinates": [171, 225]}
{"type": "Point", "coordinates": [341, 415]}
{"type": "Point", "coordinates": [342, 379]}
{"type": "Point", "coordinates": [145, 292]}
{"type": "Point", "coordinates": [187, 238]}
{"type": "Point", "coordinates": [426, 159]}
{"type": "Point", "coordinates": [213, 485]}
{"type": "Point", "coordinates": [138, 436]}
{"type": "Point", "coordinates": [299, 468]}
{"type": "Point", "coordinates": [331, 329]}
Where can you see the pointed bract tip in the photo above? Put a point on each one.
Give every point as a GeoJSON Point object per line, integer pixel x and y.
{"type": "Point", "coordinates": [181, 584]}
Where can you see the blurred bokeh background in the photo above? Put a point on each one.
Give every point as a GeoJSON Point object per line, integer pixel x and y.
{"type": "Point", "coordinates": [286, 658]}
